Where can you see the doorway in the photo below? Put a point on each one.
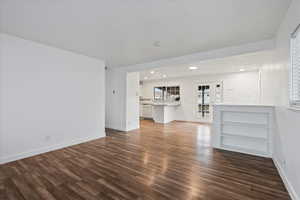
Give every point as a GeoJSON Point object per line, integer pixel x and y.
{"type": "Point", "coordinates": [208, 94]}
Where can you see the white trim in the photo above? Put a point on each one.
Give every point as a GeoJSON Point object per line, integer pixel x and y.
{"type": "Point", "coordinates": [47, 149]}
{"type": "Point", "coordinates": [285, 180]}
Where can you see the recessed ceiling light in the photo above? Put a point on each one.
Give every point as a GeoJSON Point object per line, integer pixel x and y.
{"type": "Point", "coordinates": [242, 70]}
{"type": "Point", "coordinates": [152, 72]}
{"type": "Point", "coordinates": [193, 68]}
{"type": "Point", "coordinates": [164, 76]}
{"type": "Point", "coordinates": [145, 77]}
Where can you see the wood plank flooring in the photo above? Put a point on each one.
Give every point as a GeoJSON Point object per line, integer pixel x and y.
{"type": "Point", "coordinates": [173, 161]}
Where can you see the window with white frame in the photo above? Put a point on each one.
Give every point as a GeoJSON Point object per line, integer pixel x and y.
{"type": "Point", "coordinates": [295, 68]}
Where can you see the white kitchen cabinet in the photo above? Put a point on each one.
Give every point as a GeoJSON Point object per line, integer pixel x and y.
{"type": "Point", "coordinates": [146, 111]}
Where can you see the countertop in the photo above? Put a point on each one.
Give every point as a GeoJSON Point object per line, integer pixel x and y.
{"type": "Point", "coordinates": [166, 103]}
{"type": "Point", "coordinates": [162, 103]}
{"type": "Point", "coordinates": [253, 105]}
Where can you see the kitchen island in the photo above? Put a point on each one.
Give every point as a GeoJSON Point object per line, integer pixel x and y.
{"type": "Point", "coordinates": [163, 112]}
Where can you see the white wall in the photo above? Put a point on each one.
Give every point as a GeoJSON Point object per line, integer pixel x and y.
{"type": "Point", "coordinates": [122, 100]}
{"type": "Point", "coordinates": [133, 101]}
{"type": "Point", "coordinates": [275, 90]}
{"type": "Point", "coordinates": [115, 107]}
{"type": "Point", "coordinates": [49, 98]}
{"type": "Point", "coordinates": [238, 88]}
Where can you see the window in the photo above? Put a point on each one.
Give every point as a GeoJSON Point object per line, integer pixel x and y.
{"type": "Point", "coordinates": [159, 93]}
{"type": "Point", "coordinates": [170, 93]}
{"type": "Point", "coordinates": [295, 68]}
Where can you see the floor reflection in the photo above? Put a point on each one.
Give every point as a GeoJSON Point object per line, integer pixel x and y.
{"type": "Point", "coordinates": [204, 135]}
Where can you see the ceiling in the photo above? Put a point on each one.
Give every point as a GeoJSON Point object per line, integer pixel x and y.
{"type": "Point", "coordinates": [247, 62]}
{"type": "Point", "coordinates": [137, 31]}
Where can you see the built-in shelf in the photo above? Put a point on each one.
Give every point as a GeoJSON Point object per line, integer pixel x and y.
{"type": "Point", "coordinates": [240, 123]}
{"type": "Point", "coordinates": [243, 129]}
{"type": "Point", "coordinates": [244, 136]}
{"type": "Point", "coordinates": [244, 150]}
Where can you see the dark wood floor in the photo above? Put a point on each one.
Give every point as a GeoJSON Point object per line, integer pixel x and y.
{"type": "Point", "coordinates": [173, 161]}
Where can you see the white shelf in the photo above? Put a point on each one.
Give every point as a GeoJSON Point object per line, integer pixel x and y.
{"type": "Point", "coordinates": [244, 150]}
{"type": "Point", "coordinates": [240, 123]}
{"type": "Point", "coordinates": [244, 129]}
{"type": "Point", "coordinates": [245, 143]}
{"type": "Point", "coordinates": [244, 136]}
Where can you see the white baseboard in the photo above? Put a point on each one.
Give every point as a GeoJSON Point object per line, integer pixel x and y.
{"type": "Point", "coordinates": [132, 128]}
{"type": "Point", "coordinates": [285, 180]}
{"type": "Point", "coordinates": [117, 128]}
{"type": "Point", "coordinates": [47, 149]}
